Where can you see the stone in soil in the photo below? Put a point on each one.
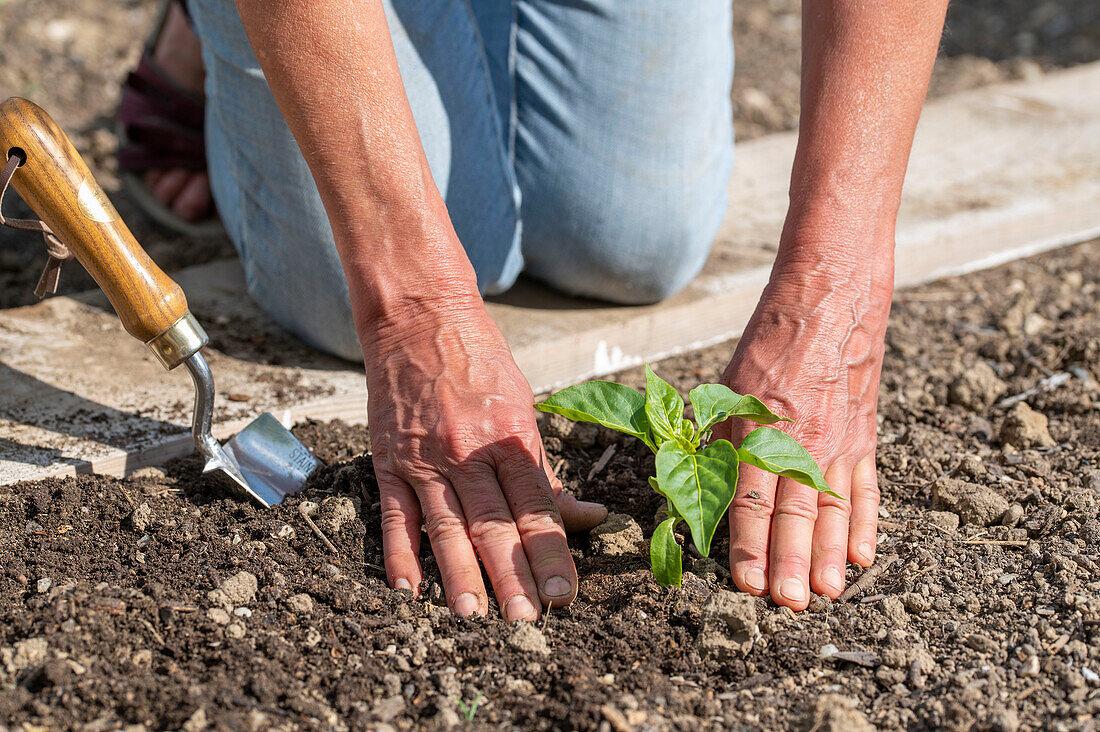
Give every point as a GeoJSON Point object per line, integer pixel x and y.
{"type": "Point", "coordinates": [975, 504]}
{"type": "Point", "coordinates": [574, 434]}
{"type": "Point", "coordinates": [977, 387]}
{"type": "Point", "coordinates": [945, 520]}
{"type": "Point", "coordinates": [140, 518]}
{"type": "Point", "coordinates": [529, 639]}
{"type": "Point", "coordinates": [618, 535]}
{"type": "Point", "coordinates": [728, 625]}
{"type": "Point", "coordinates": [300, 603]}
{"type": "Point", "coordinates": [1024, 428]}
{"type": "Point", "coordinates": [335, 512]}
{"type": "Point", "coordinates": [237, 590]}
{"type": "Point", "coordinates": [836, 713]}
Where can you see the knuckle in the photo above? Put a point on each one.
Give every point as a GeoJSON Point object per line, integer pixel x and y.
{"type": "Point", "coordinates": [746, 557]}
{"type": "Point", "coordinates": [513, 421]}
{"type": "Point", "coordinates": [519, 459]}
{"type": "Point", "coordinates": [831, 548]}
{"type": "Point", "coordinates": [444, 528]}
{"type": "Point", "coordinates": [456, 446]}
{"type": "Point", "coordinates": [556, 564]}
{"type": "Point", "coordinates": [393, 519]}
{"type": "Point", "coordinates": [798, 506]}
{"type": "Point", "coordinates": [868, 491]}
{"type": "Point", "coordinates": [865, 526]}
{"type": "Point", "coordinates": [761, 505]}
{"type": "Point", "coordinates": [793, 561]}
{"type": "Point", "coordinates": [836, 505]}
{"type": "Point", "coordinates": [539, 522]}
{"type": "Point", "coordinates": [533, 501]}
{"type": "Point", "coordinates": [492, 529]}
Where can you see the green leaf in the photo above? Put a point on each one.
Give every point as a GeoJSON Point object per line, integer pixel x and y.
{"type": "Point", "coordinates": [663, 407]}
{"type": "Point", "coordinates": [777, 452]}
{"type": "Point", "coordinates": [714, 403]}
{"type": "Point", "coordinates": [604, 402]}
{"type": "Point", "coordinates": [665, 555]}
{"type": "Point", "coordinates": [700, 485]}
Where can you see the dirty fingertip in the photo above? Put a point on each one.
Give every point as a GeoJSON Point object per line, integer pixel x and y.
{"type": "Point", "coordinates": [465, 604]}
{"type": "Point", "coordinates": [580, 515]}
{"type": "Point", "coordinates": [754, 581]}
{"type": "Point", "coordinates": [865, 554]}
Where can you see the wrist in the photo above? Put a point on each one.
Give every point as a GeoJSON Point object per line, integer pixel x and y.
{"type": "Point", "coordinates": [834, 280]}
{"type": "Point", "coordinates": [821, 250]}
{"type": "Point", "coordinates": [405, 277]}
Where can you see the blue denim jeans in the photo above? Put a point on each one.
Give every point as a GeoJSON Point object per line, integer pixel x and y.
{"type": "Point", "coordinates": [586, 142]}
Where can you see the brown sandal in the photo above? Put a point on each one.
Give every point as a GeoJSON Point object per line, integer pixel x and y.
{"type": "Point", "coordinates": [160, 126]}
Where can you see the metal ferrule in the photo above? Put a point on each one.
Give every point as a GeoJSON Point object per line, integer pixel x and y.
{"type": "Point", "coordinates": [178, 342]}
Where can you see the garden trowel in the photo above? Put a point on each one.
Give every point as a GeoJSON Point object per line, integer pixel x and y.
{"type": "Point", "coordinates": [263, 461]}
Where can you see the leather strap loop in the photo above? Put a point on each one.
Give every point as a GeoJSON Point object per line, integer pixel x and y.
{"type": "Point", "coordinates": [58, 252]}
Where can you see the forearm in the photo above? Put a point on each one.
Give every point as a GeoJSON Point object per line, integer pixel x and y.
{"type": "Point", "coordinates": [865, 71]}
{"type": "Point", "coordinates": [332, 69]}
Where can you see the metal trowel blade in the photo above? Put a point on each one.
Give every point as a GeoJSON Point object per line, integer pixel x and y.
{"type": "Point", "coordinates": [266, 461]}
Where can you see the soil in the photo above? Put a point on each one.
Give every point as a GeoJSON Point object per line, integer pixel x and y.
{"type": "Point", "coordinates": [123, 604]}
{"type": "Point", "coordinates": [72, 56]}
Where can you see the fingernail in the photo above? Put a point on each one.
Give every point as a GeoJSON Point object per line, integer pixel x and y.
{"type": "Point", "coordinates": [557, 586]}
{"type": "Point", "coordinates": [867, 551]}
{"type": "Point", "coordinates": [792, 589]}
{"type": "Point", "coordinates": [465, 604]}
{"type": "Point", "coordinates": [402, 584]}
{"type": "Point", "coordinates": [833, 578]}
{"type": "Point", "coordinates": [755, 579]}
{"type": "Point", "coordinates": [519, 608]}
{"type": "Point", "coordinates": [590, 505]}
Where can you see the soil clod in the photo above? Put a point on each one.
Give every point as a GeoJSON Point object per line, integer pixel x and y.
{"type": "Point", "coordinates": [1024, 428]}
{"type": "Point", "coordinates": [617, 536]}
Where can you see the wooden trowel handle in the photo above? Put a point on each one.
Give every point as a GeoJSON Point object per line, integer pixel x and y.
{"type": "Point", "coordinates": [56, 183]}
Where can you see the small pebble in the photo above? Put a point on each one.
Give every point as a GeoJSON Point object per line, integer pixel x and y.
{"type": "Point", "coordinates": [285, 531]}
{"type": "Point", "coordinates": [44, 585]}
{"type": "Point", "coordinates": [300, 603]}
{"type": "Point", "coordinates": [218, 615]}
{"type": "Point", "coordinates": [1031, 666]}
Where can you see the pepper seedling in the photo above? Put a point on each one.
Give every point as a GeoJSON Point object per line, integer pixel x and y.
{"type": "Point", "coordinates": [697, 477]}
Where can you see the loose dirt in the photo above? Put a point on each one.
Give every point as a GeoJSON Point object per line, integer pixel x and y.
{"type": "Point", "coordinates": [158, 602]}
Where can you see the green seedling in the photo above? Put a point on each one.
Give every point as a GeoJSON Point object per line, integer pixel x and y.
{"type": "Point", "coordinates": [469, 710]}
{"type": "Point", "coordinates": [697, 477]}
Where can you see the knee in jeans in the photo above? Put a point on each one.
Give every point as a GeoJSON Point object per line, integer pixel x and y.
{"type": "Point", "coordinates": [634, 252]}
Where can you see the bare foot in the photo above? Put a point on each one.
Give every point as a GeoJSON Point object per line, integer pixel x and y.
{"type": "Point", "coordinates": [178, 53]}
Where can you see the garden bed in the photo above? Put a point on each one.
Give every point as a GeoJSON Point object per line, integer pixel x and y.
{"type": "Point", "coordinates": [158, 601]}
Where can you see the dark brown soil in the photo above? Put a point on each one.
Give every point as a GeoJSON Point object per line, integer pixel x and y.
{"type": "Point", "coordinates": [71, 57]}
{"type": "Point", "coordinates": [106, 618]}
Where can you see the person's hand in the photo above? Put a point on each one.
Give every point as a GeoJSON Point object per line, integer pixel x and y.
{"type": "Point", "coordinates": [455, 442]}
{"type": "Point", "coordinates": [812, 352]}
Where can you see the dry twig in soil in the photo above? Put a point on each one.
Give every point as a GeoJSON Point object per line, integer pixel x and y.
{"type": "Point", "coordinates": [303, 509]}
{"type": "Point", "coordinates": [600, 464]}
{"type": "Point", "coordinates": [867, 579]}
{"type": "Point", "coordinates": [1050, 382]}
